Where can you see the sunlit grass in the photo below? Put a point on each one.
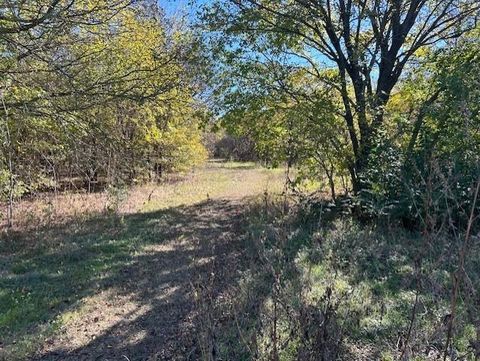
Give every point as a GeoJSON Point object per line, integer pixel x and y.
{"type": "Point", "coordinates": [216, 181]}
{"type": "Point", "coordinates": [49, 269]}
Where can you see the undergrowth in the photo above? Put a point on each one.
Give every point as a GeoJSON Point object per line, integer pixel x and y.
{"type": "Point", "coordinates": [323, 286]}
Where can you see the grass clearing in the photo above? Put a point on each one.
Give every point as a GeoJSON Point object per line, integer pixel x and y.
{"type": "Point", "coordinates": [214, 264]}
{"type": "Point", "coordinates": [50, 271]}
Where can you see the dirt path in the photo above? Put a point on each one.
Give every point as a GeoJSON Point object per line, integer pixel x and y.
{"type": "Point", "coordinates": [141, 289]}
{"type": "Point", "coordinates": [148, 310]}
{"type": "Point", "coordinates": [138, 286]}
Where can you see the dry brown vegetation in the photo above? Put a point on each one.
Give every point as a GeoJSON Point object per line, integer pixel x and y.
{"type": "Point", "coordinates": [216, 180]}
{"type": "Point", "coordinates": [82, 282]}
{"type": "Point", "coordinates": [219, 265]}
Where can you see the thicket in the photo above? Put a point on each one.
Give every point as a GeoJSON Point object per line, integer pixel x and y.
{"type": "Point", "coordinates": [95, 93]}
{"type": "Point", "coordinates": [377, 101]}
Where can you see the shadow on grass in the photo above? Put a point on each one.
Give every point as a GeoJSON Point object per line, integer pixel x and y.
{"type": "Point", "coordinates": [376, 270]}
{"type": "Point", "coordinates": [370, 272]}
{"type": "Point", "coordinates": [149, 272]}
{"type": "Point", "coordinates": [151, 262]}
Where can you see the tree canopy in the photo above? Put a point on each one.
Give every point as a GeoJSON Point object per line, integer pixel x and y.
{"type": "Point", "coordinates": [95, 92]}
{"type": "Point", "coordinates": [360, 50]}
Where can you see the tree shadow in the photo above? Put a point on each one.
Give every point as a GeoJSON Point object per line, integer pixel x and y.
{"type": "Point", "coordinates": [383, 267]}
{"type": "Point", "coordinates": [140, 274]}
{"type": "Point", "coordinates": [167, 285]}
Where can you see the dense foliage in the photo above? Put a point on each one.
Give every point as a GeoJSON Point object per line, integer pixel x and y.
{"type": "Point", "coordinates": [375, 97]}
{"type": "Point", "coordinates": [95, 92]}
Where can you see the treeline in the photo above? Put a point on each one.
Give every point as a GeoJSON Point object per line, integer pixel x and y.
{"type": "Point", "coordinates": [377, 99]}
{"type": "Point", "coordinates": [95, 92]}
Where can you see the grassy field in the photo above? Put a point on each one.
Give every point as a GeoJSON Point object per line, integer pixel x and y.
{"type": "Point", "coordinates": [215, 265]}
{"type": "Point", "coordinates": [74, 269]}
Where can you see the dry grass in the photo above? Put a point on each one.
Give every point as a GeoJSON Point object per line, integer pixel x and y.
{"type": "Point", "coordinates": [192, 270]}
{"type": "Point", "coordinates": [215, 180]}
{"type": "Point", "coordinates": [81, 282]}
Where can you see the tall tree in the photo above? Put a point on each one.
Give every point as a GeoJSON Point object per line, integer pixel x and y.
{"type": "Point", "coordinates": [94, 91]}
{"type": "Point", "coordinates": [368, 42]}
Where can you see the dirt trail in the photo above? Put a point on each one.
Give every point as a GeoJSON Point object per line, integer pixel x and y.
{"type": "Point", "coordinates": [147, 312]}
{"type": "Point", "coordinates": [130, 286]}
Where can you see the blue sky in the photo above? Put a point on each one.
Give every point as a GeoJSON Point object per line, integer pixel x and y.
{"type": "Point", "coordinates": [172, 6]}
{"type": "Point", "coordinates": [181, 6]}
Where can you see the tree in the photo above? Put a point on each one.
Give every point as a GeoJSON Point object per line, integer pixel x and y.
{"type": "Point", "coordinates": [368, 42]}
{"type": "Point", "coordinates": [103, 95]}
{"type": "Point", "coordinates": [298, 128]}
